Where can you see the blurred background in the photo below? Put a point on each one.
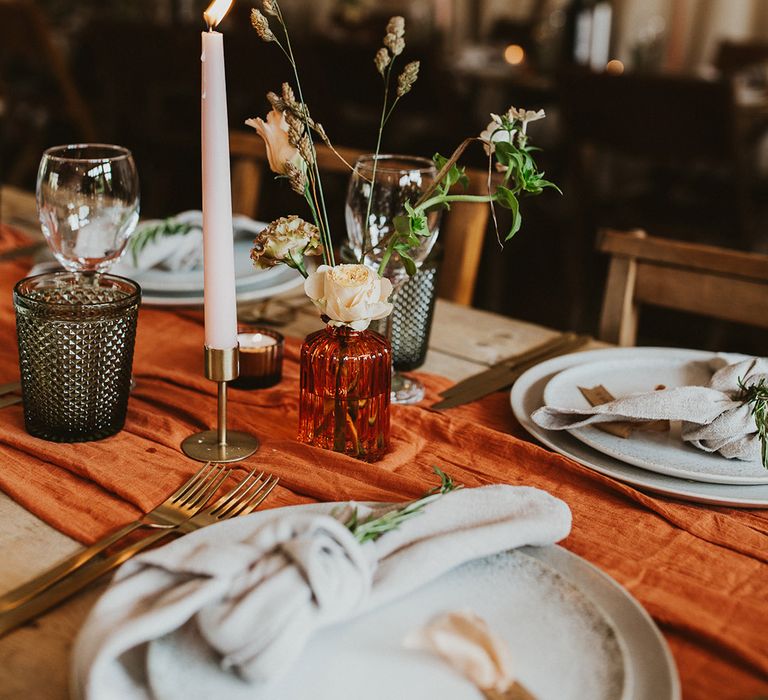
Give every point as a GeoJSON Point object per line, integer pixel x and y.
{"type": "Point", "coordinates": [657, 117]}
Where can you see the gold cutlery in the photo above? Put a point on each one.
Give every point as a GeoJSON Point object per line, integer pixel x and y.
{"type": "Point", "coordinates": [243, 499]}
{"type": "Point", "coordinates": [187, 501]}
{"type": "Point", "coordinates": [503, 374]}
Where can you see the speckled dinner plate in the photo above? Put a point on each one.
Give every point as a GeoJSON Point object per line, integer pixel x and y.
{"type": "Point", "coordinates": [573, 631]}
{"type": "Point", "coordinates": [662, 452]}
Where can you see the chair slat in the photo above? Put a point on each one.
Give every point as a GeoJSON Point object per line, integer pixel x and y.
{"type": "Point", "coordinates": [716, 282]}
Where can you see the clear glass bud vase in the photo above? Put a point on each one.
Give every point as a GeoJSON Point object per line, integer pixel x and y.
{"type": "Point", "coordinates": [345, 392]}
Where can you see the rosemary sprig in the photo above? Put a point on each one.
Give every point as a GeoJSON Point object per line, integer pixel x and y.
{"type": "Point", "coordinates": [148, 234]}
{"type": "Point", "coordinates": [756, 395]}
{"type": "Point", "coordinates": [372, 528]}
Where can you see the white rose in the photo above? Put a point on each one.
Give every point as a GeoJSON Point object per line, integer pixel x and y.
{"type": "Point", "coordinates": [352, 295]}
{"type": "Point", "coordinates": [279, 149]}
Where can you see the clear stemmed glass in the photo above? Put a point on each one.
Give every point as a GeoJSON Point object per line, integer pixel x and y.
{"type": "Point", "coordinates": [370, 211]}
{"type": "Point", "coordinates": [88, 204]}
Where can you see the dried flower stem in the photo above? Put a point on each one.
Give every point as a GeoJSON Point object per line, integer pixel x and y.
{"type": "Point", "coordinates": [315, 179]}
{"type": "Point", "coordinates": [382, 122]}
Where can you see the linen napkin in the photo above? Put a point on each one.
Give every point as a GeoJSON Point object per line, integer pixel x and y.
{"type": "Point", "coordinates": [181, 251]}
{"type": "Point", "coordinates": [715, 418]}
{"type": "Point", "coordinates": [259, 586]}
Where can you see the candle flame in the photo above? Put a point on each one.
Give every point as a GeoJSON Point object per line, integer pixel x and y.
{"type": "Point", "coordinates": [216, 12]}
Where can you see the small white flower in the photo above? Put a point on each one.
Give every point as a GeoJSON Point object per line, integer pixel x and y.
{"type": "Point", "coordinates": [352, 295]}
{"type": "Point", "coordinates": [495, 133]}
{"type": "Point", "coordinates": [526, 116]}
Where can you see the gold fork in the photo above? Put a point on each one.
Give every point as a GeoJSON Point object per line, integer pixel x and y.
{"type": "Point", "coordinates": [188, 500]}
{"type": "Point", "coordinates": [243, 499]}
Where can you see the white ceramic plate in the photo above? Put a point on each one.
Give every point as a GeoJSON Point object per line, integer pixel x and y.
{"type": "Point", "coordinates": [528, 394]}
{"type": "Point", "coordinates": [574, 632]}
{"type": "Point", "coordinates": [191, 281]}
{"type": "Point", "coordinates": [284, 279]}
{"type": "Point", "coordinates": [662, 452]}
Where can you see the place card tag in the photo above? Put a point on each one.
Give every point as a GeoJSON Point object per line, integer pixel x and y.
{"type": "Point", "coordinates": [598, 395]}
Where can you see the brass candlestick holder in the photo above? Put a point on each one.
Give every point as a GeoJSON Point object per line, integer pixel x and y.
{"type": "Point", "coordinates": [221, 445]}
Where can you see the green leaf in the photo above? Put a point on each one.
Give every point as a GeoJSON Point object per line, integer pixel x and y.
{"type": "Point", "coordinates": [148, 234]}
{"type": "Point", "coordinates": [508, 200]}
{"type": "Point", "coordinates": [506, 197]}
{"type": "Point", "coordinates": [409, 264]}
{"type": "Point", "coordinates": [547, 183]}
{"type": "Point", "coordinates": [402, 224]}
{"type": "Point", "coordinates": [454, 175]}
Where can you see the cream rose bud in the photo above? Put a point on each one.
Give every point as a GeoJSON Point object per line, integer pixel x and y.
{"type": "Point", "coordinates": [279, 149]}
{"type": "Point", "coordinates": [352, 295]}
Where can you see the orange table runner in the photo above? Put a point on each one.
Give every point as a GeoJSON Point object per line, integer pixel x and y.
{"type": "Point", "coordinates": [700, 571]}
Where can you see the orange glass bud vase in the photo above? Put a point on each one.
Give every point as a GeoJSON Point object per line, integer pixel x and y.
{"type": "Point", "coordinates": [345, 392]}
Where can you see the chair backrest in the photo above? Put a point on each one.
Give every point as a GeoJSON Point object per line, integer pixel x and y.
{"type": "Point", "coordinates": [462, 230]}
{"type": "Point", "coordinates": [700, 279]}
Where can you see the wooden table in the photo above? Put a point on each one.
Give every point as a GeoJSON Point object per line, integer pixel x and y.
{"type": "Point", "coordinates": [28, 545]}
{"type": "Point", "coordinates": [700, 571]}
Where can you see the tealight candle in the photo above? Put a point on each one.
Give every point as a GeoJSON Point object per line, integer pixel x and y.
{"type": "Point", "coordinates": [261, 358]}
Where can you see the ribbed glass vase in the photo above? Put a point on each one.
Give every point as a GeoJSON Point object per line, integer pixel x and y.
{"type": "Point", "coordinates": [345, 392]}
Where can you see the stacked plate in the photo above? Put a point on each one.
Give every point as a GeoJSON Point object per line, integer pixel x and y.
{"type": "Point", "coordinates": [656, 461]}
{"type": "Point", "coordinates": [164, 287]}
{"type": "Point", "coordinates": [573, 632]}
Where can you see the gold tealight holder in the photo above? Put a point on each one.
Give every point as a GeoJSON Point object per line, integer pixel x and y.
{"type": "Point", "coordinates": [220, 445]}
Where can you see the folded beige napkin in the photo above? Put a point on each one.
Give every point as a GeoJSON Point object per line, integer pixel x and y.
{"type": "Point", "coordinates": [257, 587]}
{"type": "Point", "coordinates": [715, 418]}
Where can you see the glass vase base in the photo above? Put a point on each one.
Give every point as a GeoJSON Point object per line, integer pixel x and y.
{"type": "Point", "coordinates": [406, 390]}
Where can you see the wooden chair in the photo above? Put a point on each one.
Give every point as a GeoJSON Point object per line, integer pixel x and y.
{"type": "Point", "coordinates": [462, 230]}
{"type": "Point", "coordinates": [699, 279]}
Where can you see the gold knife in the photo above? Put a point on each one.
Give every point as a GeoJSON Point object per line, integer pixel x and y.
{"type": "Point", "coordinates": [502, 366]}
{"type": "Point", "coordinates": [504, 374]}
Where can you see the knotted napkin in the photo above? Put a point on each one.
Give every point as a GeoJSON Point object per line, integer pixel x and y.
{"type": "Point", "coordinates": [257, 587]}
{"type": "Point", "coordinates": [716, 418]}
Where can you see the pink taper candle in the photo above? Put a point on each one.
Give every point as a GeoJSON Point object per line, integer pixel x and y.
{"type": "Point", "coordinates": [218, 244]}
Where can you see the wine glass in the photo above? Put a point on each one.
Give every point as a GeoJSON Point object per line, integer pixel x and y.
{"type": "Point", "coordinates": [378, 190]}
{"type": "Point", "coordinates": [88, 204]}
